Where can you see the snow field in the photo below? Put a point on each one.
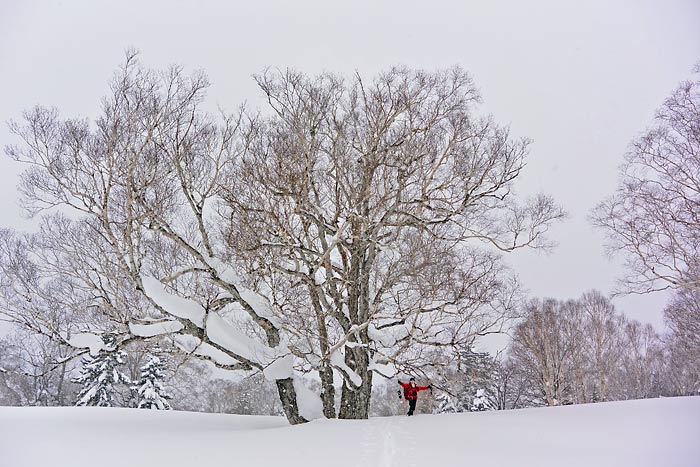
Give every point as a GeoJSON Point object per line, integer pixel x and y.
{"type": "Point", "coordinates": [658, 433]}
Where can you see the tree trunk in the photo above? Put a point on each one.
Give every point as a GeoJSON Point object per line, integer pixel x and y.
{"type": "Point", "coordinates": [355, 402]}
{"type": "Point", "coordinates": [325, 372]}
{"type": "Point", "coordinates": [288, 398]}
{"type": "Point", "coordinates": [59, 391]}
{"type": "Point", "coordinates": [601, 373]}
{"type": "Point", "coordinates": [327, 391]}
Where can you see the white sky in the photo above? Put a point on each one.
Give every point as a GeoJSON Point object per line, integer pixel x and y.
{"type": "Point", "coordinates": [579, 78]}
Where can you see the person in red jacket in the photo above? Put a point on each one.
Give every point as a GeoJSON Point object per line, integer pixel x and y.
{"type": "Point", "coordinates": [410, 393]}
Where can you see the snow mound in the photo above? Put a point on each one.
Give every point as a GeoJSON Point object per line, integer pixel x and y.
{"type": "Point", "coordinates": [658, 432]}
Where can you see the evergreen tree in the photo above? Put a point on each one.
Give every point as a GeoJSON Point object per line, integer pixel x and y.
{"type": "Point", "coordinates": [100, 374]}
{"type": "Point", "coordinates": [477, 379]}
{"type": "Point", "coordinates": [480, 403]}
{"type": "Point", "coordinates": [444, 404]}
{"type": "Point", "coordinates": [151, 394]}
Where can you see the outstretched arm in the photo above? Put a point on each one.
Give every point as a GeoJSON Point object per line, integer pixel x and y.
{"type": "Point", "coordinates": [422, 388]}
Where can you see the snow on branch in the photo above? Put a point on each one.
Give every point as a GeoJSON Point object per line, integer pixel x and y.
{"type": "Point", "coordinates": [221, 342]}
{"type": "Point", "coordinates": [155, 329]}
{"type": "Point", "coordinates": [338, 362]}
{"type": "Point", "coordinates": [176, 306]}
{"type": "Point", "coordinates": [228, 336]}
{"type": "Point", "coordinates": [86, 340]}
{"type": "Point", "coordinates": [259, 304]}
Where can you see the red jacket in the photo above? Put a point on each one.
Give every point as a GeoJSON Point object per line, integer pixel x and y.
{"type": "Point", "coordinates": [411, 392]}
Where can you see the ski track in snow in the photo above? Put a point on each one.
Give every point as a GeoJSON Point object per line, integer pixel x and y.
{"type": "Point", "coordinates": [369, 444]}
{"type": "Point", "coordinates": [407, 439]}
{"type": "Point", "coordinates": [388, 442]}
{"type": "Point", "coordinates": [389, 445]}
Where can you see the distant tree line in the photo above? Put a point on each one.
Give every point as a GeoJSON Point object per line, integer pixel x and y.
{"type": "Point", "coordinates": [582, 351]}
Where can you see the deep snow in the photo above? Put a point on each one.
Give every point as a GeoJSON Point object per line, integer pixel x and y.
{"type": "Point", "coordinates": [659, 433]}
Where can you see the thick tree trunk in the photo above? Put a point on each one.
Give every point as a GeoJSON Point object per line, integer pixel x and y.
{"type": "Point", "coordinates": [327, 391]}
{"type": "Point", "coordinates": [325, 372]}
{"type": "Point", "coordinates": [288, 398]}
{"type": "Point", "coordinates": [355, 402]}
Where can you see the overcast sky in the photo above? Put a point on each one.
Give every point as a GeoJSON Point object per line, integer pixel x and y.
{"type": "Point", "coordinates": [580, 79]}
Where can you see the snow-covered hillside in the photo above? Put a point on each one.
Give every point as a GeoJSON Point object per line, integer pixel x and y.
{"type": "Point", "coordinates": [659, 432]}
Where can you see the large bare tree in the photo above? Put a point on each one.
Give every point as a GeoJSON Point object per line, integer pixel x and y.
{"type": "Point", "coordinates": [343, 231]}
{"type": "Point", "coordinates": [653, 219]}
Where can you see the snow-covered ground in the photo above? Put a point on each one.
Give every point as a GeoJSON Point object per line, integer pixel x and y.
{"type": "Point", "coordinates": [659, 433]}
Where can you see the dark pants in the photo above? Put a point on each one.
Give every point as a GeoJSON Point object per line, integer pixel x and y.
{"type": "Point", "coordinates": [411, 406]}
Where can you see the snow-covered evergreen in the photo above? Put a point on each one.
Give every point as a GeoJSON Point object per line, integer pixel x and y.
{"type": "Point", "coordinates": [100, 375]}
{"type": "Point", "coordinates": [149, 387]}
{"type": "Point", "coordinates": [480, 403]}
{"type": "Point", "coordinates": [444, 404]}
